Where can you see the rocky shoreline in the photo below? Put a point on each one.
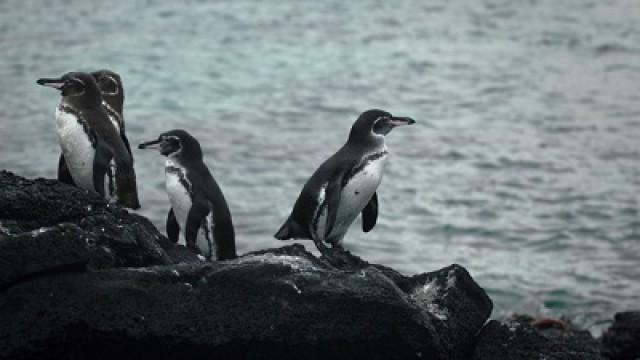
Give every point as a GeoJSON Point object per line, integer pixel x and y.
{"type": "Point", "coordinates": [80, 278]}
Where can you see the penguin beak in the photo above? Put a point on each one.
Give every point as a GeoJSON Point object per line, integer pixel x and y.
{"type": "Point", "coordinates": [54, 83]}
{"type": "Point", "coordinates": [153, 144]}
{"type": "Point", "coordinates": [401, 120]}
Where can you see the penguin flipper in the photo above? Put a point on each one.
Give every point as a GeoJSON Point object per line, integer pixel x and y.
{"type": "Point", "coordinates": [101, 165]}
{"type": "Point", "coordinates": [370, 213]}
{"type": "Point", "coordinates": [125, 178]}
{"type": "Point", "coordinates": [64, 175]}
{"type": "Point", "coordinates": [332, 196]}
{"type": "Point", "coordinates": [283, 233]}
{"type": "Point", "coordinates": [196, 215]}
{"type": "Point", "coordinates": [289, 230]}
{"type": "Point", "coordinates": [125, 141]}
{"type": "Point", "coordinates": [173, 229]}
{"type": "Point", "coordinates": [225, 240]}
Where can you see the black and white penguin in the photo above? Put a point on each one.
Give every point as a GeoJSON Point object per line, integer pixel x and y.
{"type": "Point", "coordinates": [89, 141]}
{"type": "Point", "coordinates": [344, 185]}
{"type": "Point", "coordinates": [198, 209]}
{"type": "Point", "coordinates": [112, 90]}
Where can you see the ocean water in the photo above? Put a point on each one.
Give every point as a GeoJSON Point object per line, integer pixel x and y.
{"type": "Point", "coordinates": [524, 165]}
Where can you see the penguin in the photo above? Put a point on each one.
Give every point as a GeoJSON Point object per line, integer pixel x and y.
{"type": "Point", "coordinates": [344, 186]}
{"type": "Point", "coordinates": [112, 90]}
{"type": "Point", "coordinates": [199, 211]}
{"type": "Point", "coordinates": [89, 141]}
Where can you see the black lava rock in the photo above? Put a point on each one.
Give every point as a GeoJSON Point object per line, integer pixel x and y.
{"type": "Point", "coordinates": [274, 304]}
{"type": "Point", "coordinates": [46, 249]}
{"type": "Point", "coordinates": [622, 340]}
{"type": "Point", "coordinates": [113, 236]}
{"type": "Point", "coordinates": [80, 278]}
{"type": "Point", "coordinates": [516, 339]}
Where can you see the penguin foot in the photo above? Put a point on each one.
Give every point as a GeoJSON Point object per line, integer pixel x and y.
{"type": "Point", "coordinates": [129, 201]}
{"type": "Point", "coordinates": [340, 258]}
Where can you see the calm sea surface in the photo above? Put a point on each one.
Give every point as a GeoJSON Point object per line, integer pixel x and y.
{"type": "Point", "coordinates": [524, 166]}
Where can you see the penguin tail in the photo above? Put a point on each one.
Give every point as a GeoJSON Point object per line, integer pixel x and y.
{"type": "Point", "coordinates": [284, 233]}
{"type": "Point", "coordinates": [289, 230]}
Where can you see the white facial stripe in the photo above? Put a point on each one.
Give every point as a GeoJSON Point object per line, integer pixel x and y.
{"type": "Point", "coordinates": [170, 137]}
{"type": "Point", "coordinates": [167, 138]}
{"type": "Point", "coordinates": [374, 125]}
{"type": "Point", "coordinates": [116, 85]}
{"type": "Point", "coordinates": [81, 83]}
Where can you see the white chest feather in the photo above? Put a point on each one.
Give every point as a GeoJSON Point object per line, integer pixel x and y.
{"type": "Point", "coordinates": [177, 185]}
{"type": "Point", "coordinates": [360, 188]}
{"type": "Point", "coordinates": [355, 195]}
{"type": "Point", "coordinates": [110, 182]}
{"type": "Point", "coordinates": [76, 147]}
{"type": "Point", "coordinates": [206, 240]}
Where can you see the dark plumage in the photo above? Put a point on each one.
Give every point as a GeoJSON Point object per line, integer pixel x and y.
{"type": "Point", "coordinates": [82, 104]}
{"type": "Point", "coordinates": [344, 185]}
{"type": "Point", "coordinates": [198, 207]}
{"type": "Point", "coordinates": [112, 91]}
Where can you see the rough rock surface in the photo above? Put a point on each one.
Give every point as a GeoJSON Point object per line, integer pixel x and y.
{"type": "Point", "coordinates": [46, 249]}
{"type": "Point", "coordinates": [622, 340]}
{"type": "Point", "coordinates": [115, 237]}
{"type": "Point", "coordinates": [516, 339]}
{"type": "Point", "coordinates": [80, 278]}
{"type": "Point", "coordinates": [282, 303]}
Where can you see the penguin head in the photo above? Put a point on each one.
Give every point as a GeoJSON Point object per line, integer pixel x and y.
{"type": "Point", "coordinates": [110, 85]}
{"type": "Point", "coordinates": [79, 86]}
{"type": "Point", "coordinates": [175, 144]}
{"type": "Point", "coordinates": [376, 124]}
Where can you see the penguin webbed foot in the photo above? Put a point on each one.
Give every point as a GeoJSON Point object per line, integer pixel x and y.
{"type": "Point", "coordinates": [196, 250]}
{"type": "Point", "coordinates": [339, 258]}
{"type": "Point", "coordinates": [130, 202]}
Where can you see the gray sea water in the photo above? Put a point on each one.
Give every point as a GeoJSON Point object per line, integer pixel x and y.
{"type": "Point", "coordinates": [524, 166]}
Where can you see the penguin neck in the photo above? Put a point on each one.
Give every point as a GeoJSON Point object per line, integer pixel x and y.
{"type": "Point", "coordinates": [175, 160]}
{"type": "Point", "coordinates": [112, 104]}
{"type": "Point", "coordinates": [80, 102]}
{"type": "Point", "coordinates": [114, 114]}
{"type": "Point", "coordinates": [375, 143]}
{"type": "Point", "coordinates": [178, 159]}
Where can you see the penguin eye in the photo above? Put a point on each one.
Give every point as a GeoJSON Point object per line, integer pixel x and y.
{"type": "Point", "coordinates": [78, 83]}
{"type": "Point", "coordinates": [108, 85]}
{"type": "Point", "coordinates": [380, 120]}
{"type": "Point", "coordinates": [73, 87]}
{"type": "Point", "coordinates": [381, 125]}
{"type": "Point", "coordinates": [171, 140]}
